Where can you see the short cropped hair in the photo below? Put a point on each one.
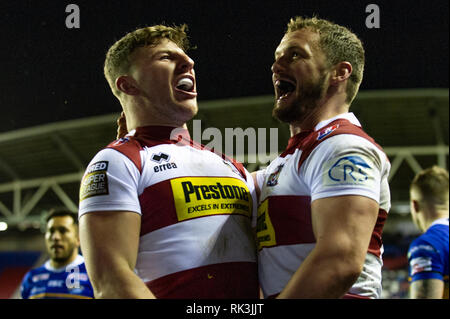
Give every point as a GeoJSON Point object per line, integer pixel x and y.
{"type": "Point", "coordinates": [61, 212]}
{"type": "Point", "coordinates": [117, 60]}
{"type": "Point", "coordinates": [338, 44]}
{"type": "Point", "coordinates": [432, 184]}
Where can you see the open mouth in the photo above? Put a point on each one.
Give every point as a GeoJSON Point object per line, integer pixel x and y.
{"type": "Point", "coordinates": [185, 84]}
{"type": "Point", "coordinates": [284, 88]}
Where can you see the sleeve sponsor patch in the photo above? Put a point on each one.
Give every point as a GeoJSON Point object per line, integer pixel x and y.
{"type": "Point", "coordinates": [352, 169]}
{"type": "Point", "coordinates": [95, 180]}
{"type": "Point", "coordinates": [420, 264]}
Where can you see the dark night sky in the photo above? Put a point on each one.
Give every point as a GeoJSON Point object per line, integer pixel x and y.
{"type": "Point", "coordinates": [51, 73]}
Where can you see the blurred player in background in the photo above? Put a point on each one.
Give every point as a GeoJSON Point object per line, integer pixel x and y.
{"type": "Point", "coordinates": [159, 215]}
{"type": "Point", "coordinates": [324, 200]}
{"type": "Point", "coordinates": [64, 274]}
{"type": "Point", "coordinates": [428, 254]}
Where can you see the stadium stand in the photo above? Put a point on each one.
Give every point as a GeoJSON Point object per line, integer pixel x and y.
{"type": "Point", "coordinates": [13, 266]}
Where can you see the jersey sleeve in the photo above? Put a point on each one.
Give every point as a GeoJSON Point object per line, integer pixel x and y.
{"type": "Point", "coordinates": [110, 183]}
{"type": "Point", "coordinates": [345, 165]}
{"type": "Point", "coordinates": [424, 261]}
{"type": "Point", "coordinates": [25, 286]}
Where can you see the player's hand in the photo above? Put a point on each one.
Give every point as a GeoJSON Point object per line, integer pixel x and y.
{"type": "Point", "coordinates": [121, 126]}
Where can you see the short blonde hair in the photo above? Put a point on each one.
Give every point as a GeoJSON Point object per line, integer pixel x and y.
{"type": "Point", "coordinates": [338, 44]}
{"type": "Point", "coordinates": [432, 185]}
{"type": "Point", "coordinates": [117, 60]}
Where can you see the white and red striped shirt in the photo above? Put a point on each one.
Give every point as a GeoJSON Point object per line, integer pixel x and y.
{"type": "Point", "coordinates": [336, 158]}
{"type": "Point", "coordinates": [196, 212]}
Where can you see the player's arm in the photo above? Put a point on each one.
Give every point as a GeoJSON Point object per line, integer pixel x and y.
{"type": "Point", "coordinates": [109, 241]}
{"type": "Point", "coordinates": [342, 227]}
{"type": "Point", "coordinates": [426, 270]}
{"type": "Point", "coordinates": [427, 289]}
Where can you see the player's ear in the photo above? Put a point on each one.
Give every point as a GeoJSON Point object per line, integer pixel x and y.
{"type": "Point", "coordinates": [341, 72]}
{"type": "Point", "coordinates": [415, 205]}
{"type": "Point", "coordinates": [127, 85]}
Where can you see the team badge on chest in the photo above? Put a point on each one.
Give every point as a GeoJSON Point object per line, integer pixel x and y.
{"type": "Point", "coordinates": [273, 178]}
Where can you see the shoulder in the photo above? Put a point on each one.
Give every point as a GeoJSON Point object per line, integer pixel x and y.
{"type": "Point", "coordinates": [421, 246]}
{"type": "Point", "coordinates": [125, 150]}
{"type": "Point", "coordinates": [437, 235]}
{"type": "Point", "coordinates": [347, 153]}
{"type": "Point", "coordinates": [28, 276]}
{"type": "Point", "coordinates": [38, 270]}
{"type": "Point", "coordinates": [338, 139]}
{"type": "Point", "coordinates": [35, 274]}
{"type": "Point", "coordinates": [337, 128]}
{"type": "Point", "coordinates": [130, 147]}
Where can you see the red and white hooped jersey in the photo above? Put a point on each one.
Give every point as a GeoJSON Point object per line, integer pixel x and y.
{"type": "Point", "coordinates": [196, 210]}
{"type": "Point", "coordinates": [335, 159]}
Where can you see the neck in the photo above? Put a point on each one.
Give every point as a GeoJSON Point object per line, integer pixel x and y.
{"type": "Point", "coordinates": [326, 109]}
{"type": "Point", "coordinates": [141, 118]}
{"type": "Point", "coordinates": [433, 213]}
{"type": "Point", "coordinates": [59, 264]}
{"type": "Point", "coordinates": [138, 113]}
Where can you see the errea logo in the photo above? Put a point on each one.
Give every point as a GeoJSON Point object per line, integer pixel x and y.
{"type": "Point", "coordinates": [158, 158]}
{"type": "Point", "coordinates": [163, 167]}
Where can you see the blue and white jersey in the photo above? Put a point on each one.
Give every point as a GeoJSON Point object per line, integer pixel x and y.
{"type": "Point", "coordinates": [69, 282]}
{"type": "Point", "coordinates": [428, 254]}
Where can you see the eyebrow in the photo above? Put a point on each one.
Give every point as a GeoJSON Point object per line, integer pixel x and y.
{"type": "Point", "coordinates": [57, 228]}
{"type": "Point", "coordinates": [164, 51]}
{"type": "Point", "coordinates": [293, 47]}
